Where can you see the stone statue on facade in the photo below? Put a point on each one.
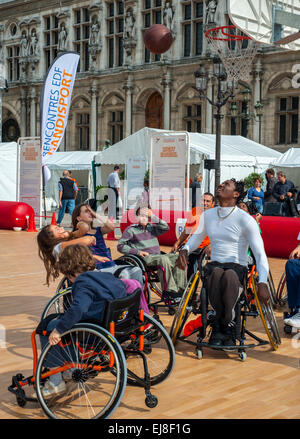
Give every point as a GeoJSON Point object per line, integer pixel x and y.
{"type": "Point", "coordinates": [94, 33]}
{"type": "Point", "coordinates": [211, 8]}
{"type": "Point", "coordinates": [62, 38]}
{"type": "Point", "coordinates": [129, 28]}
{"type": "Point", "coordinates": [32, 50]}
{"type": "Point", "coordinates": [24, 45]}
{"type": "Point", "coordinates": [168, 16]}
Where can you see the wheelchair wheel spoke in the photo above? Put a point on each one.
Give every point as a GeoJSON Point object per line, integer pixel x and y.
{"type": "Point", "coordinates": [91, 390]}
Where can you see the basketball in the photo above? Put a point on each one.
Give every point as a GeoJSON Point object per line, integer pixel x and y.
{"type": "Point", "coordinates": [158, 39]}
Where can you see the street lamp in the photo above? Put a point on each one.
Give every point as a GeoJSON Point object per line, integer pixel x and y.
{"type": "Point", "coordinates": [247, 115]}
{"type": "Point", "coordinates": [224, 92]}
{"type": "Point", "coordinates": [3, 86]}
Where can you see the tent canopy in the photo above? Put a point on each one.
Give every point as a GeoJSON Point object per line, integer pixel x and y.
{"type": "Point", "coordinates": [289, 163]}
{"type": "Point", "coordinates": [239, 155]}
{"type": "Point", "coordinates": [8, 171]}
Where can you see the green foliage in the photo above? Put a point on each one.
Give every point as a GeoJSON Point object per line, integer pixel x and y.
{"type": "Point", "coordinates": [249, 181]}
{"type": "Point", "coordinates": [146, 177]}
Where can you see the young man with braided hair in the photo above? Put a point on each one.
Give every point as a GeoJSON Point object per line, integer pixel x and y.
{"type": "Point", "coordinates": [231, 231]}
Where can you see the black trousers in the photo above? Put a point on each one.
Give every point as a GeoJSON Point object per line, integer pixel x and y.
{"type": "Point", "coordinates": [224, 285]}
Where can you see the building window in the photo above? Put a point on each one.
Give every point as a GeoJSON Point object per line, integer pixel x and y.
{"type": "Point", "coordinates": [288, 119]}
{"type": "Point", "coordinates": [50, 39]}
{"type": "Point", "coordinates": [239, 125]}
{"type": "Point", "coordinates": [13, 68]}
{"type": "Point", "coordinates": [115, 28]}
{"type": "Point", "coordinates": [192, 23]}
{"type": "Point", "coordinates": [81, 37]}
{"type": "Point", "coordinates": [116, 126]}
{"type": "Point", "coordinates": [192, 118]}
{"type": "Point", "coordinates": [83, 131]}
{"type": "Point", "coordinates": [152, 14]}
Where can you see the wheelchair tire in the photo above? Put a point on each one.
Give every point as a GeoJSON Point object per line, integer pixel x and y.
{"type": "Point", "coordinates": [97, 385]}
{"type": "Point", "coordinates": [268, 318]}
{"type": "Point", "coordinates": [159, 351]}
{"type": "Point", "coordinates": [182, 312]}
{"type": "Point", "coordinates": [272, 289]}
{"type": "Point", "coordinates": [58, 304]}
{"type": "Point", "coordinates": [63, 285]}
{"type": "Point", "coordinates": [281, 294]}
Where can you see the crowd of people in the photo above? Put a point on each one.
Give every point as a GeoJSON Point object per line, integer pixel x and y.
{"type": "Point", "coordinates": [227, 231]}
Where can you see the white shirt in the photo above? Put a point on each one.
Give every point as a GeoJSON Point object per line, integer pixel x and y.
{"type": "Point", "coordinates": [230, 238]}
{"type": "Point", "coordinates": [113, 180]}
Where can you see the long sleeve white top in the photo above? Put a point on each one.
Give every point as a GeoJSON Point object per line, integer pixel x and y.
{"type": "Point", "coordinates": [230, 238]}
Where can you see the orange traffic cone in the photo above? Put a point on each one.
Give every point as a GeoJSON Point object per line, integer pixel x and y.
{"type": "Point", "coordinates": [53, 221]}
{"type": "Point", "coordinates": [31, 227]}
{"type": "Point", "coordinates": [111, 235]}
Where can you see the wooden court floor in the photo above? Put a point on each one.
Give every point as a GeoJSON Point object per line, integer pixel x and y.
{"type": "Point", "coordinates": [219, 386]}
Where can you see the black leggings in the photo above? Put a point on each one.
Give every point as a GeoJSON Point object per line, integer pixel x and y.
{"type": "Point", "coordinates": [224, 285]}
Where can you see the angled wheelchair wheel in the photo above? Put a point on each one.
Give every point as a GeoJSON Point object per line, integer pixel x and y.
{"type": "Point", "coordinates": [136, 261]}
{"type": "Point", "coordinates": [159, 353]}
{"type": "Point", "coordinates": [268, 319]}
{"type": "Point", "coordinates": [59, 303]}
{"type": "Point", "coordinates": [93, 367]}
{"type": "Point", "coordinates": [183, 310]}
{"type": "Point", "coordinates": [281, 293]}
{"type": "Point", "coordinates": [63, 284]}
{"type": "Point", "coordinates": [272, 289]}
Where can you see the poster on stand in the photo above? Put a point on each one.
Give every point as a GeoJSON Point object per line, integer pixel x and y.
{"type": "Point", "coordinates": [29, 173]}
{"type": "Point", "coordinates": [135, 174]}
{"type": "Point", "coordinates": [169, 171]}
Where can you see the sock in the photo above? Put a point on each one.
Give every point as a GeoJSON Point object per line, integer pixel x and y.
{"type": "Point", "coordinates": [56, 379]}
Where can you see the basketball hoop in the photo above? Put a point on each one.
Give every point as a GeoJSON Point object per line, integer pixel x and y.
{"type": "Point", "coordinates": [236, 51]}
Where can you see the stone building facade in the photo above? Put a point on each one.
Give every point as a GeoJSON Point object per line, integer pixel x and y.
{"type": "Point", "coordinates": [121, 87]}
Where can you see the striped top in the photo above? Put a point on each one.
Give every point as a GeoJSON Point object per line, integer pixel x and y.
{"type": "Point", "coordinates": [137, 238]}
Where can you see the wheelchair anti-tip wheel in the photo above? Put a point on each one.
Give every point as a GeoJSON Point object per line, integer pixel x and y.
{"type": "Point", "coordinates": [93, 367]}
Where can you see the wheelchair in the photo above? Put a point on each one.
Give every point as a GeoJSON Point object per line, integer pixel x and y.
{"type": "Point", "coordinates": [97, 360]}
{"type": "Point", "coordinates": [195, 302]}
{"type": "Point", "coordinates": [154, 287]}
{"type": "Point", "coordinates": [281, 293]}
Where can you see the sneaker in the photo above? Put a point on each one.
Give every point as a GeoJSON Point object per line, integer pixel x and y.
{"type": "Point", "coordinates": [216, 337]}
{"type": "Point", "coordinates": [50, 389]}
{"type": "Point", "coordinates": [229, 335]}
{"type": "Point", "coordinates": [293, 321]}
{"type": "Point", "coordinates": [67, 375]}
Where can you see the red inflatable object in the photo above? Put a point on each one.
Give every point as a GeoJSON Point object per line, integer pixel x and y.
{"type": "Point", "coordinates": [280, 234]}
{"type": "Point", "coordinates": [13, 214]}
{"type": "Point", "coordinates": [158, 38]}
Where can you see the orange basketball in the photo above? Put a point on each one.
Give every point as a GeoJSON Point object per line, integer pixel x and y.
{"type": "Point", "coordinates": [158, 38]}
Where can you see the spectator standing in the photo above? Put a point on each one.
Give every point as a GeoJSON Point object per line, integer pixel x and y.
{"type": "Point", "coordinates": [271, 181]}
{"type": "Point", "coordinates": [196, 190]}
{"type": "Point", "coordinates": [68, 191]}
{"type": "Point", "coordinates": [256, 195]}
{"type": "Point", "coordinates": [283, 192]}
{"type": "Point", "coordinates": [71, 177]}
{"type": "Point", "coordinates": [113, 183]}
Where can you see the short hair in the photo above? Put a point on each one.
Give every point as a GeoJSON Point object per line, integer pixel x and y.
{"type": "Point", "coordinates": [65, 173]}
{"type": "Point", "coordinates": [281, 173]}
{"type": "Point", "coordinates": [116, 167]}
{"type": "Point", "coordinates": [258, 178]}
{"type": "Point", "coordinates": [143, 206]}
{"type": "Point", "coordinates": [70, 172]}
{"type": "Point", "coordinates": [240, 188]}
{"type": "Point", "coordinates": [270, 171]}
{"type": "Point", "coordinates": [76, 258]}
{"type": "Point", "coordinates": [211, 195]}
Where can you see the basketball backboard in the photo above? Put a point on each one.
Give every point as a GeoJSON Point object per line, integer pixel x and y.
{"type": "Point", "coordinates": [273, 22]}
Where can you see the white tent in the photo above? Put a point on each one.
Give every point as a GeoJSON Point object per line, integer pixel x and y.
{"type": "Point", "coordinates": [79, 162]}
{"type": "Point", "coordinates": [289, 163]}
{"type": "Point", "coordinates": [239, 155]}
{"type": "Point", "coordinates": [8, 171]}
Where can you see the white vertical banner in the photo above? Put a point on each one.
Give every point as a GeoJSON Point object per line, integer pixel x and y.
{"type": "Point", "coordinates": [29, 174]}
{"type": "Point", "coordinates": [169, 171]}
{"type": "Point", "coordinates": [135, 174]}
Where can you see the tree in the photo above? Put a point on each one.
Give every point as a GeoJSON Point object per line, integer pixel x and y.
{"type": "Point", "coordinates": [249, 181]}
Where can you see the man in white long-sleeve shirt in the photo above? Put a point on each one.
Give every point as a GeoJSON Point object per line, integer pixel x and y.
{"type": "Point", "coordinates": [231, 231]}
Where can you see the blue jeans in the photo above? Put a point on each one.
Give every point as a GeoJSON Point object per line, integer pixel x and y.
{"type": "Point", "coordinates": [292, 271]}
{"type": "Point", "coordinates": [65, 203]}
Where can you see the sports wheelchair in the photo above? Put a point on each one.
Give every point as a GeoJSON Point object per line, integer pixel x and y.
{"type": "Point", "coordinates": [154, 283]}
{"type": "Point", "coordinates": [98, 359]}
{"type": "Point", "coordinates": [195, 302]}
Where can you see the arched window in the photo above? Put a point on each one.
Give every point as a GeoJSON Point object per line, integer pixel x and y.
{"type": "Point", "coordinates": [154, 111]}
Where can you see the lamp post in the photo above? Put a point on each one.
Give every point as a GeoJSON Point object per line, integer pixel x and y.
{"type": "Point", "coordinates": [247, 115]}
{"type": "Point", "coordinates": [224, 92]}
{"type": "Point", "coordinates": [3, 86]}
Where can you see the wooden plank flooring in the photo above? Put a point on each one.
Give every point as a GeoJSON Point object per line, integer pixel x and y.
{"type": "Point", "coordinates": [219, 386]}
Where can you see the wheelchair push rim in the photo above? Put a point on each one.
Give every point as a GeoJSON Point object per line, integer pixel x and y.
{"type": "Point", "coordinates": [97, 374]}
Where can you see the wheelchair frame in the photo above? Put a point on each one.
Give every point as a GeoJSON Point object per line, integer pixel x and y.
{"type": "Point", "coordinates": [247, 305]}
{"type": "Point", "coordinates": [124, 323]}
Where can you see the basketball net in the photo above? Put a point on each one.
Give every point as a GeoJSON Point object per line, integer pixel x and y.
{"type": "Point", "coordinates": [235, 51]}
